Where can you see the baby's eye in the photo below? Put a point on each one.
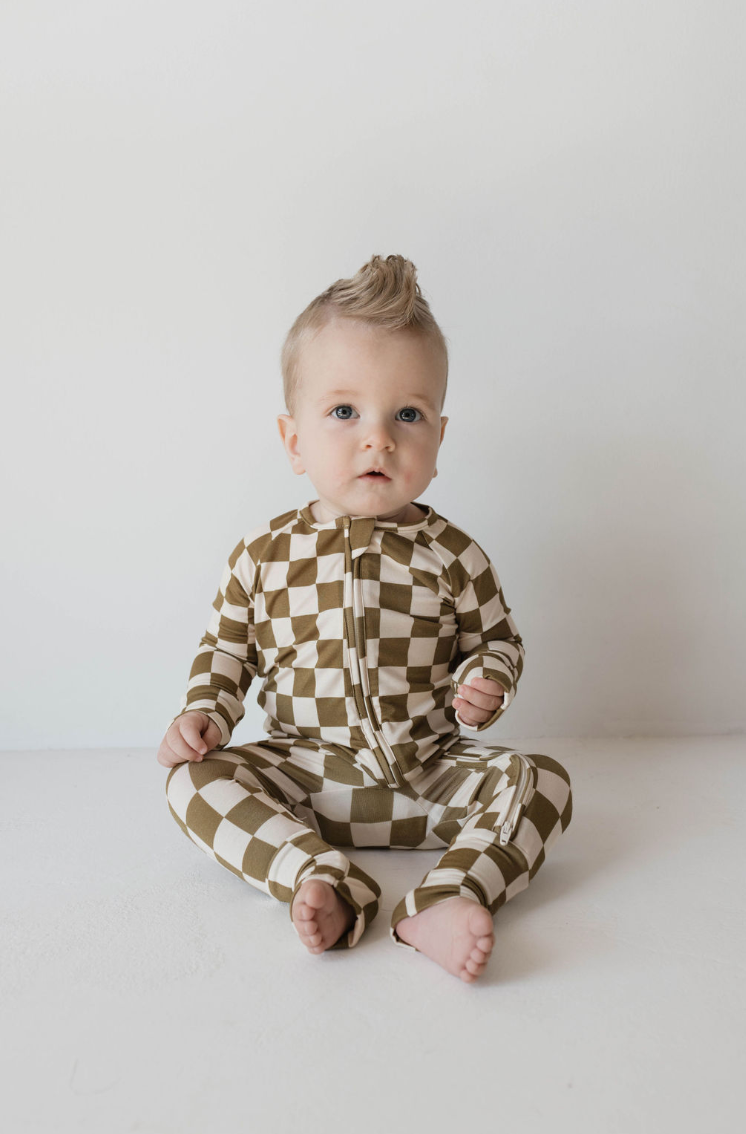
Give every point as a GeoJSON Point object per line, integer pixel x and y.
{"type": "Point", "coordinates": [346, 417]}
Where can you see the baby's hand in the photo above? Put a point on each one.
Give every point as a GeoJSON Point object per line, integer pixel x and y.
{"type": "Point", "coordinates": [478, 700]}
{"type": "Point", "coordinates": [188, 738]}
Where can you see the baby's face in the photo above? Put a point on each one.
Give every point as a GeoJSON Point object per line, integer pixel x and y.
{"type": "Point", "coordinates": [368, 398]}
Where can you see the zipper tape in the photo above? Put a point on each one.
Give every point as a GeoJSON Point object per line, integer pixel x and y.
{"type": "Point", "coordinates": [523, 790]}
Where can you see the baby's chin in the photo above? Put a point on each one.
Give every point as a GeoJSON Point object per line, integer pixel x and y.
{"type": "Point", "coordinates": [369, 500]}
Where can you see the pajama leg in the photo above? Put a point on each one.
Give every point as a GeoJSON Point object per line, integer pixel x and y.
{"type": "Point", "coordinates": [476, 866]}
{"type": "Point", "coordinates": [239, 817]}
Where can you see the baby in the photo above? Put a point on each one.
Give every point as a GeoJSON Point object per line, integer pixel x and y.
{"type": "Point", "coordinates": [378, 627]}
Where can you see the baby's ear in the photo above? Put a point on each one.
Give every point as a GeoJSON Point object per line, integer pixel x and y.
{"type": "Point", "coordinates": [289, 435]}
{"type": "Point", "coordinates": [286, 426]}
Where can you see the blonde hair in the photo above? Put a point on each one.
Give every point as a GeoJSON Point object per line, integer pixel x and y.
{"type": "Point", "coordinates": [383, 293]}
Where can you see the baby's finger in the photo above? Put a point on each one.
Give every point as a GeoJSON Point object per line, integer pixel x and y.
{"type": "Point", "coordinates": [470, 717]}
{"type": "Point", "coordinates": [190, 728]}
{"type": "Point", "coordinates": [490, 687]}
{"type": "Point", "coordinates": [487, 684]}
{"type": "Point", "coordinates": [166, 757]}
{"type": "Point", "coordinates": [180, 747]}
{"type": "Point", "coordinates": [482, 700]}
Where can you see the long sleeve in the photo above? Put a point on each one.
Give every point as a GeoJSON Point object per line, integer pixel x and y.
{"type": "Point", "coordinates": [226, 661]}
{"type": "Point", "coordinates": [489, 642]}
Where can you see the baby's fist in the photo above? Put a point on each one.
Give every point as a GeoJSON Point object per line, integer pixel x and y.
{"type": "Point", "coordinates": [478, 700]}
{"type": "Point", "coordinates": [188, 738]}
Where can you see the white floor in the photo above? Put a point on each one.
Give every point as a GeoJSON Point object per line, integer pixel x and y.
{"type": "Point", "coordinates": [145, 988]}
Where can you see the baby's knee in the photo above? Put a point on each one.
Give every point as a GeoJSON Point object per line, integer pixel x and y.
{"type": "Point", "coordinates": [195, 771]}
{"type": "Point", "coordinates": [549, 764]}
{"type": "Point", "coordinates": [177, 768]}
{"type": "Point", "coordinates": [553, 782]}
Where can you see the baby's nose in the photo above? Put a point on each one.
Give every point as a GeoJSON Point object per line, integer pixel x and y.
{"type": "Point", "coordinates": [379, 437]}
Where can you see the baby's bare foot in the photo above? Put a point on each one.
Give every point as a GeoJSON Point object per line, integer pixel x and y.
{"type": "Point", "coordinates": [457, 933]}
{"type": "Point", "coordinates": [320, 915]}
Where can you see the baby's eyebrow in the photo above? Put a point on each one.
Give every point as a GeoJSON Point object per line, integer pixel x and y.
{"type": "Point", "coordinates": [337, 394]}
{"type": "Point", "coordinates": [356, 393]}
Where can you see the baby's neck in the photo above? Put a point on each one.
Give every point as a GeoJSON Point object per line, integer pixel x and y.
{"type": "Point", "coordinates": [408, 515]}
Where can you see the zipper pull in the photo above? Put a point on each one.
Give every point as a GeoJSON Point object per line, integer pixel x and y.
{"type": "Point", "coordinates": [507, 828]}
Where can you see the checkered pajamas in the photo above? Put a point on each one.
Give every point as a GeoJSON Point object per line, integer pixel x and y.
{"type": "Point", "coordinates": [269, 812]}
{"type": "Point", "coordinates": [362, 630]}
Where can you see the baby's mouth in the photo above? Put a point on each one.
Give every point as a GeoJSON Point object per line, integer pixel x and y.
{"type": "Point", "coordinates": [375, 476]}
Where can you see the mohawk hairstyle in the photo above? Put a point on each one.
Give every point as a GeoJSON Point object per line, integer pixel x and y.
{"type": "Point", "coordinates": [383, 293]}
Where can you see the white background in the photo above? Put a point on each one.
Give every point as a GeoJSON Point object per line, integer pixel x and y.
{"type": "Point", "coordinates": [180, 179]}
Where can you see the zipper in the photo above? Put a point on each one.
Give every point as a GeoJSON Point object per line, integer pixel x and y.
{"type": "Point", "coordinates": [368, 719]}
{"type": "Point", "coordinates": [523, 789]}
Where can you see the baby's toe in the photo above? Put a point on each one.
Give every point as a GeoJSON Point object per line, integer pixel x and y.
{"type": "Point", "coordinates": [480, 922]}
{"type": "Point", "coordinates": [474, 967]}
{"type": "Point", "coordinates": [309, 934]}
{"type": "Point", "coordinates": [316, 895]}
{"type": "Point", "coordinates": [309, 930]}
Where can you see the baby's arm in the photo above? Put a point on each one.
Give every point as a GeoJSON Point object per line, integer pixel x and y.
{"type": "Point", "coordinates": [490, 647]}
{"type": "Point", "coordinates": [223, 669]}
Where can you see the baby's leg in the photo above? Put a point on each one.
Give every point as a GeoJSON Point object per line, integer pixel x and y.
{"type": "Point", "coordinates": [449, 915]}
{"type": "Point", "coordinates": [231, 807]}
